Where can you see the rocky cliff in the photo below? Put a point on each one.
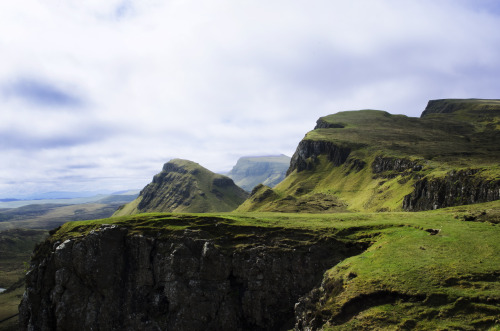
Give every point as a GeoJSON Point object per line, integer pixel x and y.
{"type": "Point", "coordinates": [306, 154]}
{"type": "Point", "coordinates": [215, 277]}
{"type": "Point", "coordinates": [447, 106]}
{"type": "Point", "coordinates": [457, 188]}
{"type": "Point", "coordinates": [185, 186]}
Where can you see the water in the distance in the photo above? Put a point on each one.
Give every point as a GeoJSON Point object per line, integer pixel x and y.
{"type": "Point", "coordinates": [2, 289]}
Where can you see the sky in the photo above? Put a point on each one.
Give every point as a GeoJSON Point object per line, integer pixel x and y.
{"type": "Point", "coordinates": [99, 94]}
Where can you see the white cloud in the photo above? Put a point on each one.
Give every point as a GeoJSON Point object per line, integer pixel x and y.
{"type": "Point", "coordinates": [217, 80]}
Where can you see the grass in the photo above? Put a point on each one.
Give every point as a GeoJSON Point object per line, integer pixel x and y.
{"type": "Point", "coordinates": [406, 277]}
{"type": "Point", "coordinates": [355, 190]}
{"type": "Point", "coordinates": [9, 303]}
{"type": "Point", "coordinates": [15, 250]}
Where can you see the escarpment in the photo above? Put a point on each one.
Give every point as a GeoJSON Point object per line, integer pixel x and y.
{"type": "Point", "coordinates": [214, 277]}
{"type": "Point", "coordinates": [308, 151]}
{"type": "Point", "coordinates": [398, 165]}
{"type": "Point", "coordinates": [370, 160]}
{"type": "Point", "coordinates": [456, 188]}
{"type": "Point", "coordinates": [447, 106]}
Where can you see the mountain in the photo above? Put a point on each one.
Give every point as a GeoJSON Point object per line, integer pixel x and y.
{"type": "Point", "coordinates": [185, 186]}
{"type": "Point", "coordinates": [62, 195]}
{"type": "Point", "coordinates": [342, 266]}
{"type": "Point", "coordinates": [250, 171]}
{"type": "Point", "coordinates": [370, 160]}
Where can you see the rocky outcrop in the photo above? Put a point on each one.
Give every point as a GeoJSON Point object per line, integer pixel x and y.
{"type": "Point", "coordinates": [322, 124]}
{"type": "Point", "coordinates": [115, 279]}
{"type": "Point", "coordinates": [456, 188]}
{"type": "Point", "coordinates": [307, 153]}
{"type": "Point", "coordinates": [312, 314]}
{"type": "Point", "coordinates": [261, 193]}
{"type": "Point", "coordinates": [398, 165]}
{"type": "Point", "coordinates": [446, 106]}
{"type": "Point", "coordinates": [354, 164]}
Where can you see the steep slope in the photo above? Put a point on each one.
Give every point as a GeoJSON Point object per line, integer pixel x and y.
{"type": "Point", "coordinates": [267, 170]}
{"type": "Point", "coordinates": [185, 186]}
{"type": "Point", "coordinates": [370, 160]}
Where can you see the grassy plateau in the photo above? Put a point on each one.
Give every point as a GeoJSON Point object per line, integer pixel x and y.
{"type": "Point", "coordinates": [425, 270]}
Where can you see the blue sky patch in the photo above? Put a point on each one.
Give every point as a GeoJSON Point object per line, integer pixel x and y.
{"type": "Point", "coordinates": [42, 94]}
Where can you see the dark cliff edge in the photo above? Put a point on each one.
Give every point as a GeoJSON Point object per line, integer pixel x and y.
{"type": "Point", "coordinates": [115, 278]}
{"type": "Point", "coordinates": [457, 188]}
{"type": "Point", "coordinates": [398, 165]}
{"type": "Point", "coordinates": [447, 106]}
{"type": "Point", "coordinates": [308, 151]}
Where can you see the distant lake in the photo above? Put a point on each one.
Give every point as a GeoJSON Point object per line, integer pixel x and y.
{"type": "Point", "coordinates": [2, 289]}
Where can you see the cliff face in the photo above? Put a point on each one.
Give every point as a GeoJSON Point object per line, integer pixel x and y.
{"type": "Point", "coordinates": [456, 188]}
{"type": "Point", "coordinates": [308, 151]}
{"type": "Point", "coordinates": [113, 279]}
{"type": "Point", "coordinates": [447, 106]}
{"type": "Point", "coordinates": [397, 165]}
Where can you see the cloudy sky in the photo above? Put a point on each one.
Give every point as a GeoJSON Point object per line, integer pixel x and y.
{"type": "Point", "coordinates": [99, 94]}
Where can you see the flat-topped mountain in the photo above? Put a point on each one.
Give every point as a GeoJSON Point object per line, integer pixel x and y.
{"type": "Point", "coordinates": [185, 186]}
{"type": "Point", "coordinates": [370, 160]}
{"type": "Point", "coordinates": [251, 171]}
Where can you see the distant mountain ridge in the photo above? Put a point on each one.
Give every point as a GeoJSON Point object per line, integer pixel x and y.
{"type": "Point", "coordinates": [122, 196]}
{"type": "Point", "coordinates": [251, 171]}
{"type": "Point", "coordinates": [62, 195]}
{"type": "Point", "coordinates": [185, 186]}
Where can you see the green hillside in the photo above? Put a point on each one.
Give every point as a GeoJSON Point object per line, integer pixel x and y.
{"type": "Point", "coordinates": [370, 160]}
{"type": "Point", "coordinates": [185, 186]}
